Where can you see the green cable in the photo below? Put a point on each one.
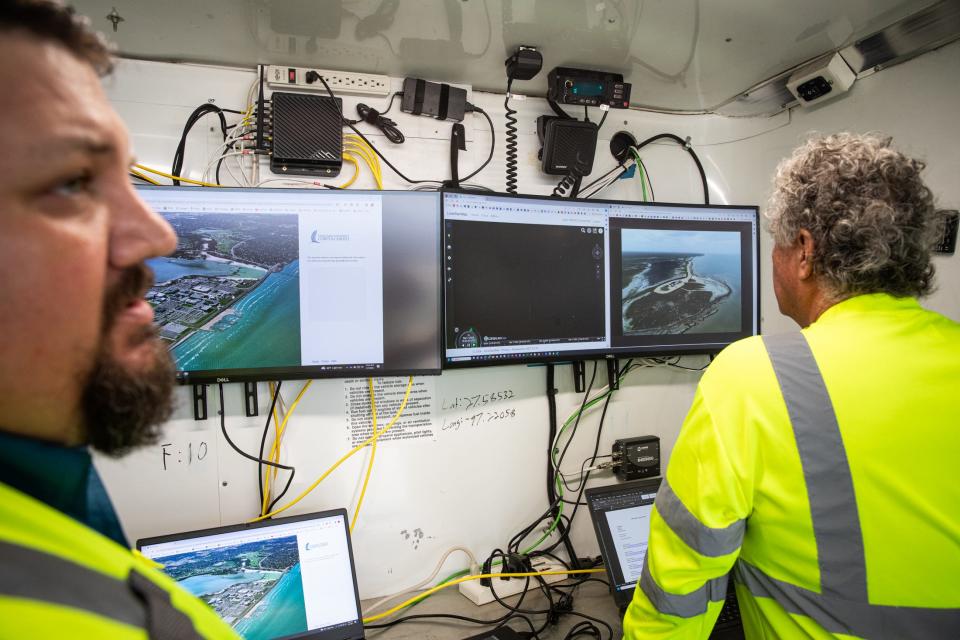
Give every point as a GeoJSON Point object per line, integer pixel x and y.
{"type": "Point", "coordinates": [559, 485]}
{"type": "Point", "coordinates": [643, 174]}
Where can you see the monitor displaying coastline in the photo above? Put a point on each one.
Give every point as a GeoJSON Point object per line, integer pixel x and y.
{"type": "Point", "coordinates": [228, 297]}
{"type": "Point", "coordinates": [256, 587]}
{"type": "Point", "coordinates": [680, 281]}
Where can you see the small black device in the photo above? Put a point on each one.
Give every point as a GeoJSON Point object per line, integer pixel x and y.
{"type": "Point", "coordinates": [421, 97]}
{"type": "Point", "coordinates": [307, 134]}
{"type": "Point", "coordinates": [500, 633]}
{"type": "Point", "coordinates": [524, 64]}
{"type": "Point", "coordinates": [587, 88]}
{"type": "Point", "coordinates": [566, 145]}
{"type": "Point", "coordinates": [621, 520]}
{"type": "Point", "coordinates": [814, 88]}
{"type": "Point", "coordinates": [948, 240]}
{"type": "Point", "coordinates": [636, 458]}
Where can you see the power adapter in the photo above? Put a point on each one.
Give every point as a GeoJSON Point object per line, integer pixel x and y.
{"type": "Point", "coordinates": [421, 97]}
{"type": "Point", "coordinates": [635, 458]}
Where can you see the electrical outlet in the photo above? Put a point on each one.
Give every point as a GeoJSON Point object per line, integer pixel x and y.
{"type": "Point", "coordinates": [339, 81]}
{"type": "Point", "coordinates": [481, 595]}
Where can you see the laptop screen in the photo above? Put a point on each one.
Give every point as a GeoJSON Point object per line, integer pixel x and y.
{"type": "Point", "coordinates": [621, 518]}
{"type": "Point", "coordinates": [273, 579]}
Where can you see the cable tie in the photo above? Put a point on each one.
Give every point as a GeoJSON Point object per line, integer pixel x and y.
{"type": "Point", "coordinates": [516, 96]}
{"type": "Point", "coordinates": [686, 144]}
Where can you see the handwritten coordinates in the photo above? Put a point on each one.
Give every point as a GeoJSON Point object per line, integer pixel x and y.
{"type": "Point", "coordinates": [479, 418]}
{"type": "Point", "coordinates": [465, 403]}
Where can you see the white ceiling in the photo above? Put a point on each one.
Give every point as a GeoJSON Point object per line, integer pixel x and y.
{"type": "Point", "coordinates": [688, 55]}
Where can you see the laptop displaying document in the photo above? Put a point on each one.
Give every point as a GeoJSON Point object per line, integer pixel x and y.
{"type": "Point", "coordinates": [621, 519]}
{"type": "Point", "coordinates": [282, 578]}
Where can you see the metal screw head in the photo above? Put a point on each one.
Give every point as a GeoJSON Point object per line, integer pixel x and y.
{"type": "Point", "coordinates": [115, 18]}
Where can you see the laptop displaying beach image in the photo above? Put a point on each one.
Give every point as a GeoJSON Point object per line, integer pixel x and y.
{"type": "Point", "coordinates": [283, 578]}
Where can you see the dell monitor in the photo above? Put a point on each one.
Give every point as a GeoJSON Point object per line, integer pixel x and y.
{"type": "Point", "coordinates": [268, 284]}
{"type": "Point", "coordinates": [537, 279]}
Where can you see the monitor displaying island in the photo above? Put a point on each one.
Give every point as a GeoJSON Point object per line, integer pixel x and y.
{"type": "Point", "coordinates": [536, 279]}
{"type": "Point", "coordinates": [269, 284]}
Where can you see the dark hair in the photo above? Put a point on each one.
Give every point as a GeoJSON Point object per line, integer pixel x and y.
{"type": "Point", "coordinates": [51, 20]}
{"type": "Point", "coordinates": [871, 216]}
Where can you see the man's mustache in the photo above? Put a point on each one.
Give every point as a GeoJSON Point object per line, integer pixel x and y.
{"type": "Point", "coordinates": [133, 284]}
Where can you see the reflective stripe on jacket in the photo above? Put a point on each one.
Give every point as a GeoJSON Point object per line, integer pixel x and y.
{"type": "Point", "coordinates": [61, 579]}
{"type": "Point", "coordinates": [820, 467]}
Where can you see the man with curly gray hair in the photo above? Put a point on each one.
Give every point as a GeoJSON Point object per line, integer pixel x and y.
{"type": "Point", "coordinates": [819, 466]}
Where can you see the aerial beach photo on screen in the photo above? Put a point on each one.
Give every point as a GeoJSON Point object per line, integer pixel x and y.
{"type": "Point", "coordinates": [228, 297]}
{"type": "Point", "coordinates": [255, 587]}
{"type": "Point", "coordinates": [680, 281]}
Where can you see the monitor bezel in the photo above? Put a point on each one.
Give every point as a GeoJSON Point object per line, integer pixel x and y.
{"type": "Point", "coordinates": [311, 372]}
{"type": "Point", "coordinates": [343, 633]}
{"type": "Point", "coordinates": [592, 354]}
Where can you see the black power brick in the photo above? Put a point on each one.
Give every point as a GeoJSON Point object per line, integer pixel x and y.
{"type": "Point", "coordinates": [635, 458]}
{"type": "Point", "coordinates": [441, 101]}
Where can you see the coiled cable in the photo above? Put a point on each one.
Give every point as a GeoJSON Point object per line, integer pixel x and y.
{"type": "Point", "coordinates": [511, 138]}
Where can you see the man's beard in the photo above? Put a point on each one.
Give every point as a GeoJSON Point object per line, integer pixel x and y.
{"type": "Point", "coordinates": [122, 409]}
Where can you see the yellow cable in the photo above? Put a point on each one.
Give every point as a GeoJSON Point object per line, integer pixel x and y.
{"type": "Point", "coordinates": [369, 156]}
{"type": "Point", "coordinates": [173, 177]}
{"type": "Point", "coordinates": [343, 459]}
{"type": "Point", "coordinates": [143, 177]}
{"type": "Point", "coordinates": [373, 452]}
{"type": "Point", "coordinates": [274, 453]}
{"type": "Point", "coordinates": [433, 590]}
{"type": "Point", "coordinates": [356, 170]}
{"type": "Point", "coordinates": [275, 450]}
{"type": "Point", "coordinates": [360, 151]}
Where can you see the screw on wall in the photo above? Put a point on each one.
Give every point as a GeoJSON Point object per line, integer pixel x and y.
{"type": "Point", "coordinates": [115, 17]}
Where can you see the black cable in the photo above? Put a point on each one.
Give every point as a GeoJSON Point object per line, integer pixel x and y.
{"type": "Point", "coordinates": [576, 423]}
{"type": "Point", "coordinates": [403, 177]}
{"type": "Point", "coordinates": [263, 442]}
{"type": "Point", "coordinates": [511, 138]}
{"type": "Point", "coordinates": [493, 141]}
{"type": "Point", "coordinates": [197, 114]}
{"type": "Point", "coordinates": [621, 167]}
{"type": "Point", "coordinates": [603, 119]}
{"type": "Point", "coordinates": [223, 428]}
{"type": "Point", "coordinates": [373, 117]}
{"type": "Point", "coordinates": [689, 149]}
{"type": "Point", "coordinates": [551, 491]}
{"type": "Point", "coordinates": [451, 616]}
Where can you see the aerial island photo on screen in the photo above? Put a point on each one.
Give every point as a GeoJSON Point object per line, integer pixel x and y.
{"type": "Point", "coordinates": [255, 587]}
{"type": "Point", "coordinates": [229, 296]}
{"type": "Point", "coordinates": [680, 281]}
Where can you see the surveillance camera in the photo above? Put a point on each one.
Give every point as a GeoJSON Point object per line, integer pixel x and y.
{"type": "Point", "coordinates": [821, 80]}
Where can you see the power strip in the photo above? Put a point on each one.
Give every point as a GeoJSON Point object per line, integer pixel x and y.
{"type": "Point", "coordinates": [339, 81]}
{"type": "Point", "coordinates": [481, 595]}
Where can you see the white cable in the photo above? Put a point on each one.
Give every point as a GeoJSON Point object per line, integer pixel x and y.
{"type": "Point", "coordinates": [474, 566]}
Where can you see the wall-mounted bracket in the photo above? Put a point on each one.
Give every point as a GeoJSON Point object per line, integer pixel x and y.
{"type": "Point", "coordinates": [579, 375]}
{"type": "Point", "coordinates": [250, 403]}
{"type": "Point", "coordinates": [199, 402]}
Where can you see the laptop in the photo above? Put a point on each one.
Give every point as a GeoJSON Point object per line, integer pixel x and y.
{"type": "Point", "coordinates": [621, 520]}
{"type": "Point", "coordinates": [282, 578]}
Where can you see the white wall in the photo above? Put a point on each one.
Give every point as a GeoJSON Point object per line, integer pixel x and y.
{"type": "Point", "coordinates": [477, 486]}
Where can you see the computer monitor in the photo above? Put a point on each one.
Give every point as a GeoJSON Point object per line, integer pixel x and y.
{"type": "Point", "coordinates": [286, 577]}
{"type": "Point", "coordinates": [269, 284]}
{"type": "Point", "coordinates": [535, 279]}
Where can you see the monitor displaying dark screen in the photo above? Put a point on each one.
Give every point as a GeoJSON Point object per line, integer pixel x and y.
{"type": "Point", "coordinates": [296, 283]}
{"type": "Point", "coordinates": [532, 279]}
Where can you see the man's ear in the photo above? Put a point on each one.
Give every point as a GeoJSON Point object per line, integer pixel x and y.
{"type": "Point", "coordinates": [806, 246]}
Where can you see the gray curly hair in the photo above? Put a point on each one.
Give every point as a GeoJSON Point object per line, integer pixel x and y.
{"type": "Point", "coordinates": [872, 218]}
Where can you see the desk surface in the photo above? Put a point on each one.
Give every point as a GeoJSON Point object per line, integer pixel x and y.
{"type": "Point", "coordinates": [591, 598]}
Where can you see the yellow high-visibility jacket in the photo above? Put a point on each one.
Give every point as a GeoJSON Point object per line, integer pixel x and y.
{"type": "Point", "coordinates": [823, 469]}
{"type": "Point", "coordinates": [61, 579]}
